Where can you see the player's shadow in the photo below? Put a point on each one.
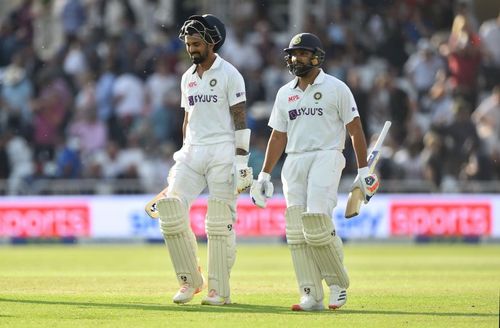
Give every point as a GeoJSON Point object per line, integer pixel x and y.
{"type": "Point", "coordinates": [237, 308]}
{"type": "Point", "coordinates": [234, 308]}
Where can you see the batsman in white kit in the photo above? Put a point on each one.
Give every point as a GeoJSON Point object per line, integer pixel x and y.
{"type": "Point", "coordinates": [214, 155]}
{"type": "Point", "coordinates": [309, 121]}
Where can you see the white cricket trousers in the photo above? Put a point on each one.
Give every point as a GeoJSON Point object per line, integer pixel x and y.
{"type": "Point", "coordinates": [312, 180]}
{"type": "Point", "coordinates": [197, 167]}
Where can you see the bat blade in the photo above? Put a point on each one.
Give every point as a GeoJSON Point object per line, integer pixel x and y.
{"type": "Point", "coordinates": [354, 202]}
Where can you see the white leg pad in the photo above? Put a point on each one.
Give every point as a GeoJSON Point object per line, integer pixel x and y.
{"type": "Point", "coordinates": [326, 246]}
{"type": "Point", "coordinates": [306, 270]}
{"type": "Point", "coordinates": [180, 241]}
{"type": "Point", "coordinates": [221, 246]}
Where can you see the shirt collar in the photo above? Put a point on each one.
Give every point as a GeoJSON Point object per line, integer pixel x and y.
{"type": "Point", "coordinates": [217, 62]}
{"type": "Point", "coordinates": [318, 80]}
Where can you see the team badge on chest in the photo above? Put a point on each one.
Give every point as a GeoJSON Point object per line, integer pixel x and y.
{"type": "Point", "coordinates": [213, 82]}
{"type": "Point", "coordinates": [317, 96]}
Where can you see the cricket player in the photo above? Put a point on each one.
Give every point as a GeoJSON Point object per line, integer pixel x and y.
{"type": "Point", "coordinates": [309, 121]}
{"type": "Point", "coordinates": [214, 155]}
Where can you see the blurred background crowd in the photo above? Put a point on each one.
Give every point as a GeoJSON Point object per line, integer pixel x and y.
{"type": "Point", "coordinates": [89, 89]}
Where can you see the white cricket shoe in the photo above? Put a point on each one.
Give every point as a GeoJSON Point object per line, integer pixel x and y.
{"type": "Point", "coordinates": [338, 297]}
{"type": "Point", "coordinates": [186, 294]}
{"type": "Point", "coordinates": [308, 303]}
{"type": "Point", "coordinates": [214, 299]}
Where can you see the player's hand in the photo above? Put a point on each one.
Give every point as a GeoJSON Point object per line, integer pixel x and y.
{"type": "Point", "coordinates": [367, 182]}
{"type": "Point", "coordinates": [243, 175]}
{"type": "Point", "coordinates": [262, 189]}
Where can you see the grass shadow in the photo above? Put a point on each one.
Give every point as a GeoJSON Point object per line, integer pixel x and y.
{"type": "Point", "coordinates": [235, 307]}
{"type": "Point", "coordinates": [238, 308]}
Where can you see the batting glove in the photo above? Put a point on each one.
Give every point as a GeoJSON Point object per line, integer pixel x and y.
{"type": "Point", "coordinates": [367, 182]}
{"type": "Point", "coordinates": [243, 175]}
{"type": "Point", "coordinates": [262, 189]}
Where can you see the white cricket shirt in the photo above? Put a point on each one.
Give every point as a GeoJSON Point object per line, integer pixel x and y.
{"type": "Point", "coordinates": [314, 119]}
{"type": "Point", "coordinates": [207, 101]}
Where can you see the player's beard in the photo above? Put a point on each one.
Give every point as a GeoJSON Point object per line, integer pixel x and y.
{"type": "Point", "coordinates": [302, 70]}
{"type": "Point", "coordinates": [200, 57]}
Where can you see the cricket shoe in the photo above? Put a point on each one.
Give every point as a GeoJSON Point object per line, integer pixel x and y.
{"type": "Point", "coordinates": [214, 299]}
{"type": "Point", "coordinates": [308, 303]}
{"type": "Point", "coordinates": [187, 292]}
{"type": "Point", "coordinates": [338, 297]}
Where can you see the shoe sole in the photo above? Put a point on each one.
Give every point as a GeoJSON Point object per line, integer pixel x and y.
{"type": "Point", "coordinates": [334, 307]}
{"type": "Point", "coordinates": [297, 307]}
{"type": "Point", "coordinates": [207, 302]}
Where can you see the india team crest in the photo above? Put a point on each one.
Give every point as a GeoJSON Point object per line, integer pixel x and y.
{"type": "Point", "coordinates": [213, 82]}
{"type": "Point", "coordinates": [318, 95]}
{"type": "Point", "coordinates": [296, 40]}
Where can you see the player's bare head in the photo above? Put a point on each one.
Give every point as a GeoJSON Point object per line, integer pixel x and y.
{"type": "Point", "coordinates": [304, 53]}
{"type": "Point", "coordinates": [206, 28]}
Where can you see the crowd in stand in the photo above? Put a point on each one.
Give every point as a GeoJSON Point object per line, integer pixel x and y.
{"type": "Point", "coordinates": [90, 89]}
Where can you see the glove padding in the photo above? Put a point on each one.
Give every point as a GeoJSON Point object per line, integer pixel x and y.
{"type": "Point", "coordinates": [367, 182]}
{"type": "Point", "coordinates": [243, 175]}
{"type": "Point", "coordinates": [262, 189]}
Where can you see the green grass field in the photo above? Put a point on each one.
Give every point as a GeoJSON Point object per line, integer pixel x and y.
{"type": "Point", "coordinates": [131, 286]}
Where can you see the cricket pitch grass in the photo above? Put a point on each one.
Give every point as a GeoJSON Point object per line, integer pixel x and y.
{"type": "Point", "coordinates": [440, 285]}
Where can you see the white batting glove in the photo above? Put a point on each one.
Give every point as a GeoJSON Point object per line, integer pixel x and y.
{"type": "Point", "coordinates": [243, 175]}
{"type": "Point", "coordinates": [367, 182]}
{"type": "Point", "coordinates": [262, 189]}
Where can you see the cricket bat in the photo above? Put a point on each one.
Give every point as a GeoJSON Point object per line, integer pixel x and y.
{"type": "Point", "coordinates": [151, 208]}
{"type": "Point", "coordinates": [355, 198]}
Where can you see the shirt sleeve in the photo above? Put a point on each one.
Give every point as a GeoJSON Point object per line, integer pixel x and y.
{"type": "Point", "coordinates": [235, 88]}
{"type": "Point", "coordinates": [278, 120]}
{"type": "Point", "coordinates": [347, 107]}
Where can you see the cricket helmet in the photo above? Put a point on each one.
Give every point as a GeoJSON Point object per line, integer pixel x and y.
{"type": "Point", "coordinates": [304, 41]}
{"type": "Point", "coordinates": [209, 27]}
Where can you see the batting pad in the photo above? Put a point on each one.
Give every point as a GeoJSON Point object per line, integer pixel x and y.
{"type": "Point", "coordinates": [326, 246]}
{"type": "Point", "coordinates": [306, 270]}
{"type": "Point", "coordinates": [180, 241]}
{"type": "Point", "coordinates": [221, 246]}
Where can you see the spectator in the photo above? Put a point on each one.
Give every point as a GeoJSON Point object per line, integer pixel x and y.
{"type": "Point", "coordinates": [422, 66]}
{"type": "Point", "coordinates": [464, 59]}
{"type": "Point", "coordinates": [489, 33]}
{"type": "Point", "coordinates": [15, 96]}
{"type": "Point", "coordinates": [50, 109]}
{"type": "Point", "coordinates": [486, 117]}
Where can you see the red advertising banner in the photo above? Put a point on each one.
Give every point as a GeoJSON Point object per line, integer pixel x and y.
{"type": "Point", "coordinates": [44, 220]}
{"type": "Point", "coordinates": [251, 220]}
{"type": "Point", "coordinates": [445, 218]}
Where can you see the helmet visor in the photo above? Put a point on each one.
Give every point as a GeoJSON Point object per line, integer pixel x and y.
{"type": "Point", "coordinates": [192, 26]}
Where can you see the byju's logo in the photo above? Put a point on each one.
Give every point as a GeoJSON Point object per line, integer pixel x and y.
{"type": "Point", "coordinates": [309, 111]}
{"type": "Point", "coordinates": [201, 98]}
